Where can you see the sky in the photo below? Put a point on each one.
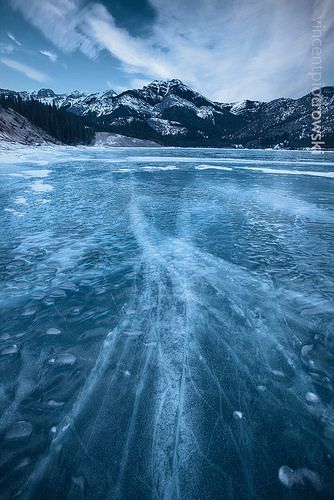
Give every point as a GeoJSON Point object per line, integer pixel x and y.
{"type": "Point", "coordinates": [228, 50]}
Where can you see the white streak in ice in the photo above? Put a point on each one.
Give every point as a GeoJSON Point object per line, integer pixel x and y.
{"type": "Point", "coordinates": [213, 167]}
{"type": "Point", "coordinates": [289, 172]}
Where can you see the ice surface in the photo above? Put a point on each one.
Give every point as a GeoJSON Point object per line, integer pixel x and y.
{"type": "Point", "coordinates": [167, 333]}
{"type": "Point", "coordinates": [19, 430]}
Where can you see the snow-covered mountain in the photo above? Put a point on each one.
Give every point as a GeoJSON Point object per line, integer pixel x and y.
{"type": "Point", "coordinates": [286, 122]}
{"type": "Point", "coordinates": [77, 102]}
{"type": "Point", "coordinates": [171, 113]}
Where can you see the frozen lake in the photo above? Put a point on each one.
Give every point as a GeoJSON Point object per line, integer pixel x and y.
{"type": "Point", "coordinates": [167, 324]}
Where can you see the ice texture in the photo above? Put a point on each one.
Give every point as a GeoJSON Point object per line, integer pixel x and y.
{"type": "Point", "coordinates": [166, 326]}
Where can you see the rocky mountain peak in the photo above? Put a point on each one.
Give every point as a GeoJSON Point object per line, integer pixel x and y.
{"type": "Point", "coordinates": [43, 93]}
{"type": "Point", "coordinates": [75, 94]}
{"type": "Point", "coordinates": [163, 87]}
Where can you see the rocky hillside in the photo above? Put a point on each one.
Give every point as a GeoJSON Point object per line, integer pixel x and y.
{"type": "Point", "coordinates": [171, 113]}
{"type": "Point", "coordinates": [16, 128]}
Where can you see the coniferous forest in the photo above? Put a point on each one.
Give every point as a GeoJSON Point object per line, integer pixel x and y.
{"type": "Point", "coordinates": [63, 126]}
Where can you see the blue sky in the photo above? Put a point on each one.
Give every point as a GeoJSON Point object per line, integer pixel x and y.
{"type": "Point", "coordinates": [226, 49]}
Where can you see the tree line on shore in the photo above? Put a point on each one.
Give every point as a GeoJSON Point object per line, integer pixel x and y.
{"type": "Point", "coordinates": [63, 126]}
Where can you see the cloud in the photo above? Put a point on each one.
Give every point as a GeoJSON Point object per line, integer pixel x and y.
{"type": "Point", "coordinates": [50, 55]}
{"type": "Point", "coordinates": [12, 37]}
{"type": "Point", "coordinates": [134, 52]}
{"type": "Point", "coordinates": [25, 69]}
{"type": "Point", "coordinates": [228, 50]}
{"type": "Point", "coordinates": [112, 87]}
{"type": "Point", "coordinates": [236, 49]}
{"type": "Point", "coordinates": [62, 22]}
{"type": "Point", "coordinates": [118, 88]}
{"type": "Point", "coordinates": [6, 48]}
{"type": "Point", "coordinates": [138, 83]}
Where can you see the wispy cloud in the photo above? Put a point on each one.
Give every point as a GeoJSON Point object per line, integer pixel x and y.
{"type": "Point", "coordinates": [138, 83]}
{"type": "Point", "coordinates": [62, 22]}
{"type": "Point", "coordinates": [12, 37]}
{"type": "Point", "coordinates": [25, 69]}
{"type": "Point", "coordinates": [110, 85]}
{"type": "Point", "coordinates": [50, 55]}
{"type": "Point", "coordinates": [228, 49]}
{"type": "Point", "coordinates": [6, 48]}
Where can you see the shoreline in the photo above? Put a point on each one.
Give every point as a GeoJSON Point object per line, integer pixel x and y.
{"type": "Point", "coordinates": [5, 144]}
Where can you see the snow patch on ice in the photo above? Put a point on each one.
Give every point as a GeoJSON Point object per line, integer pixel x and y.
{"type": "Point", "coordinates": [40, 187]}
{"type": "Point", "coordinates": [37, 173]}
{"type": "Point", "coordinates": [21, 200]}
{"type": "Point", "coordinates": [289, 172]}
{"type": "Point", "coordinates": [213, 167]}
{"type": "Point", "coordinates": [152, 169]}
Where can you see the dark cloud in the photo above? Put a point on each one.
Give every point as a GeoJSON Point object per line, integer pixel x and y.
{"type": "Point", "coordinates": [136, 16]}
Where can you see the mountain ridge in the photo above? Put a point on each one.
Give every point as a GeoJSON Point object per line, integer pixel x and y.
{"type": "Point", "coordinates": [172, 114]}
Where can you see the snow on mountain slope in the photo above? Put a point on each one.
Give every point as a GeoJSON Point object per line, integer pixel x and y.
{"type": "Point", "coordinates": [117, 140]}
{"type": "Point", "coordinates": [163, 87]}
{"type": "Point", "coordinates": [245, 106]}
{"type": "Point", "coordinates": [173, 100]}
{"type": "Point", "coordinates": [16, 128]}
{"type": "Point", "coordinates": [166, 127]}
{"type": "Point", "coordinates": [286, 122]}
{"type": "Point", "coordinates": [98, 103]}
{"type": "Point", "coordinates": [77, 102]}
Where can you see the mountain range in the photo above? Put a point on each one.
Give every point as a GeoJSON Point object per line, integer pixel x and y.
{"type": "Point", "coordinates": [172, 114]}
